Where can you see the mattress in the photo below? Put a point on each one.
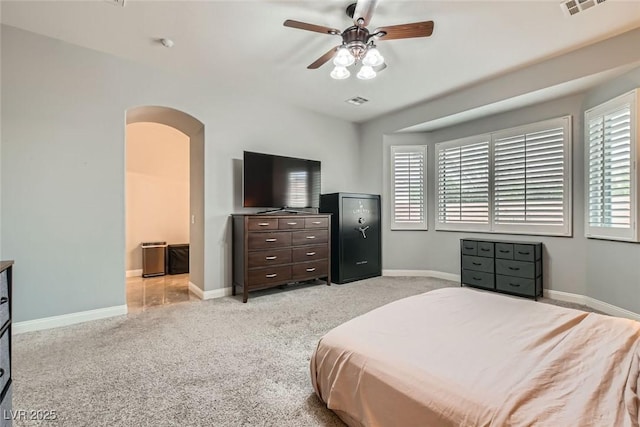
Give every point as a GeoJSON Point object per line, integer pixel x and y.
{"type": "Point", "coordinates": [464, 357]}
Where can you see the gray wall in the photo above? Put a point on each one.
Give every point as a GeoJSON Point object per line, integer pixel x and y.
{"type": "Point", "coordinates": [63, 136]}
{"type": "Point", "coordinates": [608, 271]}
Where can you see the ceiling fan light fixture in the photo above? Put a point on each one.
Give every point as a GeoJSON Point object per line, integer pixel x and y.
{"type": "Point", "coordinates": [373, 58]}
{"type": "Point", "coordinates": [340, 73]}
{"type": "Point", "coordinates": [366, 73]}
{"type": "Point", "coordinates": [343, 58]}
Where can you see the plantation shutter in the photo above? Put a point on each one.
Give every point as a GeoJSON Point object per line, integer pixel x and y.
{"type": "Point", "coordinates": [408, 164]}
{"type": "Point", "coordinates": [530, 184]}
{"type": "Point", "coordinates": [463, 183]}
{"type": "Point", "coordinates": [610, 170]}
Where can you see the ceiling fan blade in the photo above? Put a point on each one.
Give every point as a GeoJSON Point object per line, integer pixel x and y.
{"type": "Point", "coordinates": [324, 58]}
{"type": "Point", "coordinates": [405, 31]}
{"type": "Point", "coordinates": [311, 27]}
{"type": "Point", "coordinates": [380, 67]}
{"type": "Point", "coordinates": [364, 11]}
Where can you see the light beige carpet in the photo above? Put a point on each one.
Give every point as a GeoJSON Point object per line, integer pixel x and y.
{"type": "Point", "coordinates": [205, 363]}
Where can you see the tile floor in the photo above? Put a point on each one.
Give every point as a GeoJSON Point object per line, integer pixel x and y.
{"type": "Point", "coordinates": [144, 293]}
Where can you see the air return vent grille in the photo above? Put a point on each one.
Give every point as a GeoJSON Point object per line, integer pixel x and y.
{"type": "Point", "coordinates": [572, 7]}
{"type": "Point", "coordinates": [357, 100]}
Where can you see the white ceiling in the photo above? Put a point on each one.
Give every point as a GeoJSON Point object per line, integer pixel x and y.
{"type": "Point", "coordinates": [244, 44]}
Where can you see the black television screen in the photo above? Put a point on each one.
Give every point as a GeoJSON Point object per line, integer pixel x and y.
{"type": "Point", "coordinates": [280, 182]}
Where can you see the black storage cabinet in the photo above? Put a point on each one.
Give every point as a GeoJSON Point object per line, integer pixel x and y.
{"type": "Point", "coordinates": [356, 240]}
{"type": "Point", "coordinates": [178, 259]}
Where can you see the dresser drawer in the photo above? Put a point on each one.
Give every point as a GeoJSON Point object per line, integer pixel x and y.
{"type": "Point", "coordinates": [265, 223]}
{"type": "Point", "coordinates": [516, 285]}
{"type": "Point", "coordinates": [485, 249]}
{"type": "Point", "coordinates": [308, 237]}
{"type": "Point", "coordinates": [517, 268]}
{"type": "Point", "coordinates": [524, 252]}
{"type": "Point", "coordinates": [269, 257]}
{"type": "Point", "coordinates": [316, 222]}
{"type": "Point", "coordinates": [265, 276]}
{"type": "Point", "coordinates": [469, 247]}
{"type": "Point", "coordinates": [310, 253]}
{"type": "Point", "coordinates": [478, 278]}
{"type": "Point", "coordinates": [5, 360]}
{"type": "Point", "coordinates": [269, 240]}
{"type": "Point", "coordinates": [477, 263]}
{"type": "Point", "coordinates": [4, 298]}
{"type": "Point", "coordinates": [5, 408]}
{"type": "Point", "coordinates": [310, 269]}
{"type": "Point", "coordinates": [504, 250]}
{"type": "Point", "coordinates": [289, 224]}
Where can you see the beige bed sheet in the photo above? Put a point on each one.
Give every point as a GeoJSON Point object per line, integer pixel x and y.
{"type": "Point", "coordinates": [463, 357]}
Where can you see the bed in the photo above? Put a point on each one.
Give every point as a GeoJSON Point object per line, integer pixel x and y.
{"type": "Point", "coordinates": [464, 357]}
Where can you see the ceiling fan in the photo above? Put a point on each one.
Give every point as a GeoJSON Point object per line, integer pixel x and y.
{"type": "Point", "coordinates": [358, 43]}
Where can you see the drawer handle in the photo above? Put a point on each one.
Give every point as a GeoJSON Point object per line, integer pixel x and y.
{"type": "Point", "coordinates": [514, 268]}
{"type": "Point", "coordinates": [485, 249]}
{"type": "Point", "coordinates": [515, 285]}
{"type": "Point", "coordinates": [311, 237]}
{"type": "Point", "coordinates": [3, 300]}
{"type": "Point", "coordinates": [468, 247]}
{"type": "Point", "coordinates": [476, 263]}
{"type": "Point", "coordinates": [291, 223]}
{"type": "Point", "coordinates": [477, 278]}
{"type": "Point", "coordinates": [523, 253]}
{"type": "Point", "coordinates": [311, 269]}
{"type": "Point", "coordinates": [270, 276]}
{"type": "Point", "coordinates": [316, 222]}
{"type": "Point", "coordinates": [503, 251]}
{"type": "Point", "coordinates": [270, 257]}
{"type": "Point", "coordinates": [263, 224]}
{"type": "Point", "coordinates": [311, 253]}
{"type": "Point", "coordinates": [271, 240]}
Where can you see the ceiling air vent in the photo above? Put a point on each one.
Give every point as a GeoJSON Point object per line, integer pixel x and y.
{"type": "Point", "coordinates": [357, 100]}
{"type": "Point", "coordinates": [572, 7]}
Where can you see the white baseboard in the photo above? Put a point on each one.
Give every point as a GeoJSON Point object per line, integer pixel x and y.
{"type": "Point", "coordinates": [216, 293]}
{"type": "Point", "coordinates": [602, 306]}
{"type": "Point", "coordinates": [422, 273]}
{"type": "Point", "coordinates": [134, 273]}
{"type": "Point", "coordinates": [67, 319]}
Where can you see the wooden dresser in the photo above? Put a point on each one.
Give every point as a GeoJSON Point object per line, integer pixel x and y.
{"type": "Point", "coordinates": [273, 250]}
{"type": "Point", "coordinates": [6, 268]}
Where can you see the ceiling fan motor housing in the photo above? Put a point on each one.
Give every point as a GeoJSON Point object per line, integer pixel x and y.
{"type": "Point", "coordinates": [355, 39]}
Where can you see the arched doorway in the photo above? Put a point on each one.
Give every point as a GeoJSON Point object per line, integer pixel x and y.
{"type": "Point", "coordinates": [188, 126]}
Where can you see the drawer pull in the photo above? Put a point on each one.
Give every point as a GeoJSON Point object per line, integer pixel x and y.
{"type": "Point", "coordinates": [476, 263]}
{"type": "Point", "coordinates": [263, 224]}
{"type": "Point", "coordinates": [504, 251]}
{"type": "Point", "coordinates": [316, 222]}
{"type": "Point", "coordinates": [514, 268]}
{"type": "Point", "coordinates": [515, 285]}
{"type": "Point", "coordinates": [468, 247]}
{"type": "Point", "coordinates": [311, 269]}
{"type": "Point", "coordinates": [271, 276]}
{"type": "Point", "coordinates": [271, 240]}
{"type": "Point", "coordinates": [311, 253]}
{"type": "Point", "coordinates": [291, 223]}
{"type": "Point", "coordinates": [311, 237]}
{"type": "Point", "coordinates": [523, 253]}
{"type": "Point", "coordinates": [477, 278]}
{"type": "Point", "coordinates": [485, 249]}
{"type": "Point", "coordinates": [3, 300]}
{"type": "Point", "coordinates": [270, 257]}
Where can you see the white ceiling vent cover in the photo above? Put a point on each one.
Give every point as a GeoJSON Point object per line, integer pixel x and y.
{"type": "Point", "coordinates": [572, 7]}
{"type": "Point", "coordinates": [357, 100]}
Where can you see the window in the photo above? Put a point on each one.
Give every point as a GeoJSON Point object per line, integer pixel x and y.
{"type": "Point", "coordinates": [408, 193]}
{"type": "Point", "coordinates": [513, 181]}
{"type": "Point", "coordinates": [611, 180]}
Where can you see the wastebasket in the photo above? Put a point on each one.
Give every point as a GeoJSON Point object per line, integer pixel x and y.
{"type": "Point", "coordinates": [178, 259]}
{"type": "Point", "coordinates": [153, 258]}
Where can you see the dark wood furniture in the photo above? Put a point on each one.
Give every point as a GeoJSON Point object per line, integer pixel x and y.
{"type": "Point", "coordinates": [356, 251]}
{"type": "Point", "coordinates": [273, 250]}
{"type": "Point", "coordinates": [502, 266]}
{"type": "Point", "coordinates": [6, 272]}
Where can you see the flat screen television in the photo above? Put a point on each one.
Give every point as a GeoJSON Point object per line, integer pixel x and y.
{"type": "Point", "coordinates": [279, 182]}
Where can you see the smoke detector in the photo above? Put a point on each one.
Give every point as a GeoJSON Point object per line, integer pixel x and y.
{"type": "Point", "coordinates": [115, 2]}
{"type": "Point", "coordinates": [357, 100]}
{"type": "Point", "coordinates": [167, 42]}
{"type": "Point", "coordinates": [572, 7]}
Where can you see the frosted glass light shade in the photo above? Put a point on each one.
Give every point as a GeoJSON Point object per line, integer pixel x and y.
{"type": "Point", "coordinates": [340, 73]}
{"type": "Point", "coordinates": [343, 58]}
{"type": "Point", "coordinates": [373, 58]}
{"type": "Point", "coordinates": [366, 73]}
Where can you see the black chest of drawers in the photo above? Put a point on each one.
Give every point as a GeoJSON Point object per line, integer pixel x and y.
{"type": "Point", "coordinates": [6, 268]}
{"type": "Point", "coordinates": [502, 266]}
